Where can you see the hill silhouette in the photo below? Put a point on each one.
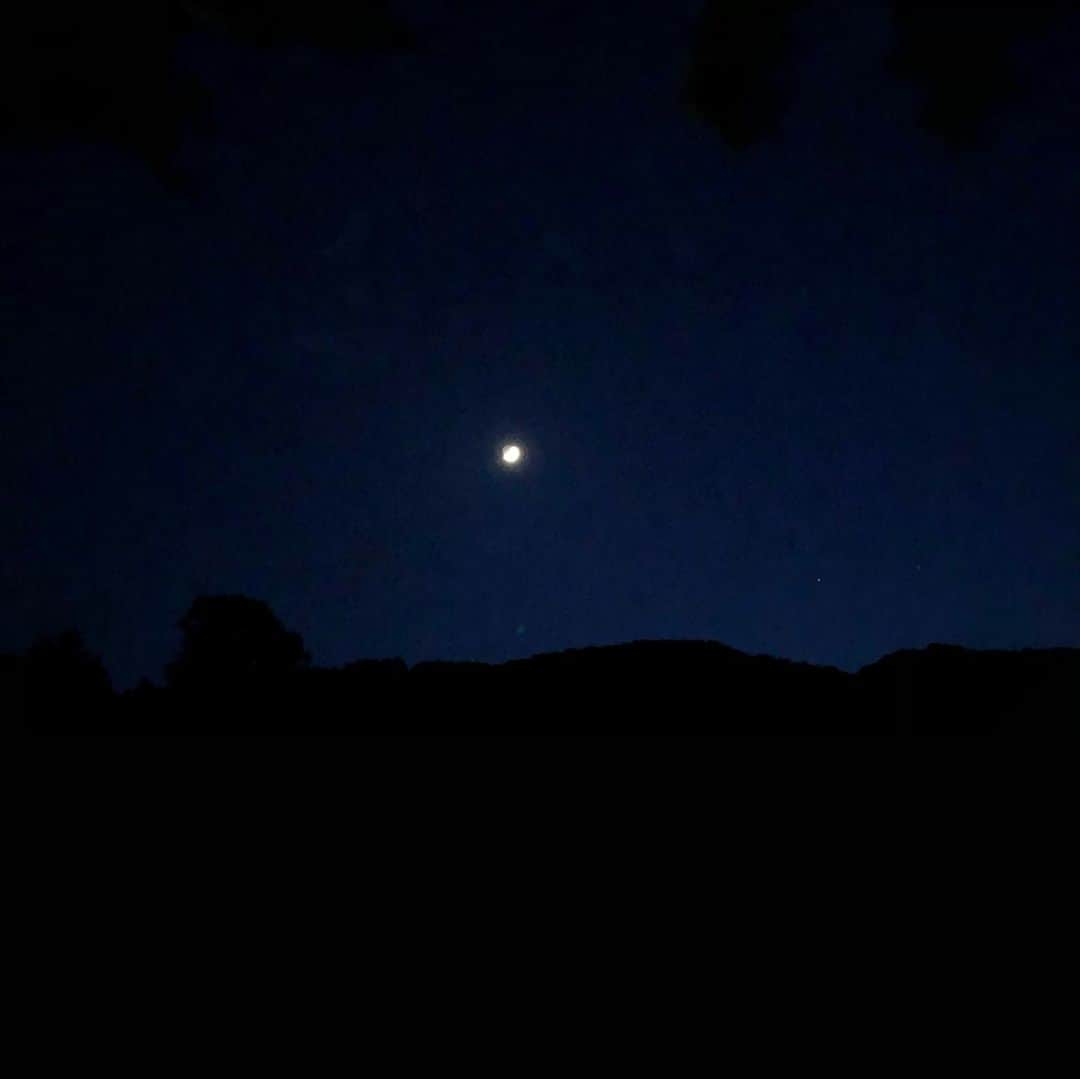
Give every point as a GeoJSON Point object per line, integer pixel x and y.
{"type": "Point", "coordinates": [239, 671]}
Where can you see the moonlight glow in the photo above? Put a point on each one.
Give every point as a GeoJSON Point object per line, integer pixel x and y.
{"type": "Point", "coordinates": [511, 455]}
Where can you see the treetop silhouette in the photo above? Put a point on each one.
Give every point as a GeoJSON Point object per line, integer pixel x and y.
{"type": "Point", "coordinates": [231, 640]}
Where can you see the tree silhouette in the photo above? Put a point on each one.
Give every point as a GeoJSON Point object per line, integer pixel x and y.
{"type": "Point", "coordinates": [231, 641]}
{"type": "Point", "coordinates": [958, 55]}
{"type": "Point", "coordinates": [106, 72]}
{"type": "Point", "coordinates": [364, 26]}
{"type": "Point", "coordinates": [64, 680]}
{"type": "Point", "coordinates": [738, 80]}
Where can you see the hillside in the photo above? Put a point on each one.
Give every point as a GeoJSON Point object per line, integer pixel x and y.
{"type": "Point", "coordinates": [643, 687]}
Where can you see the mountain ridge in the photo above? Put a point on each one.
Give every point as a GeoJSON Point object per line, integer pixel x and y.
{"type": "Point", "coordinates": [639, 686]}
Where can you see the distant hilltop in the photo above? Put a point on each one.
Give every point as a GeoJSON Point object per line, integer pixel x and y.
{"type": "Point", "coordinates": [643, 687]}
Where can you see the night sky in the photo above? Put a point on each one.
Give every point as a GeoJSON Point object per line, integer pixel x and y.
{"type": "Point", "coordinates": [817, 397]}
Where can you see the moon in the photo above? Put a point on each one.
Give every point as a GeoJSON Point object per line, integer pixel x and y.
{"type": "Point", "coordinates": [511, 454]}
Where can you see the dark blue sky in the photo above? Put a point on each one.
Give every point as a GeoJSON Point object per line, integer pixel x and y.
{"type": "Point", "coordinates": [818, 398]}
